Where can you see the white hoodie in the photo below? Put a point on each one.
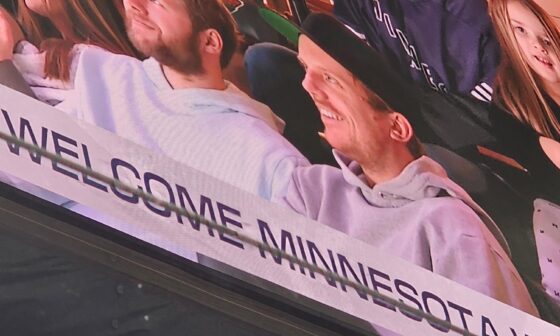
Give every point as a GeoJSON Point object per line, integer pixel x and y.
{"type": "Point", "coordinates": [223, 133]}
{"type": "Point", "coordinates": [420, 216]}
{"type": "Point", "coordinates": [30, 62]}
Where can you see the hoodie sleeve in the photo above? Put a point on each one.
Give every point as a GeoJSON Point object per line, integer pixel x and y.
{"type": "Point", "coordinates": [463, 250]}
{"type": "Point", "coordinates": [310, 191]}
{"type": "Point", "coordinates": [283, 181]}
{"type": "Point", "coordinates": [293, 197]}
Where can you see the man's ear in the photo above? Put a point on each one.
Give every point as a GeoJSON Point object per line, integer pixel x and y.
{"type": "Point", "coordinates": [211, 42]}
{"type": "Point", "coordinates": [401, 130]}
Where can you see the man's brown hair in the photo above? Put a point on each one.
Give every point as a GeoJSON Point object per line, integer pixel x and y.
{"type": "Point", "coordinates": [213, 14]}
{"type": "Point", "coordinates": [380, 106]}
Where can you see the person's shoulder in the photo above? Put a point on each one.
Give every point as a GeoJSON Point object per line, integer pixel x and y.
{"type": "Point", "coordinates": [320, 177]}
{"type": "Point", "coordinates": [246, 109]}
{"type": "Point", "coordinates": [98, 54]}
{"type": "Point", "coordinates": [315, 187]}
{"type": "Point", "coordinates": [96, 61]}
{"type": "Point", "coordinates": [450, 214]}
{"type": "Point", "coordinates": [88, 48]}
{"type": "Point", "coordinates": [264, 138]}
{"type": "Point", "coordinates": [444, 205]}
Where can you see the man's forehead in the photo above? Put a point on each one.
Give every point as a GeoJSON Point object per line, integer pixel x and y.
{"type": "Point", "coordinates": [312, 54]}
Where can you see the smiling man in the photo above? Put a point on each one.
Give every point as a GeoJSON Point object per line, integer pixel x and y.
{"type": "Point", "coordinates": [388, 194]}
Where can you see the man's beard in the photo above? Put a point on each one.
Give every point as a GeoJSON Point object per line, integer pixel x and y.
{"type": "Point", "coordinates": [182, 55]}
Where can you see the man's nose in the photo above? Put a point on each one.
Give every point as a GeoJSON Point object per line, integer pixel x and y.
{"type": "Point", "coordinates": [312, 85]}
{"type": "Point", "coordinates": [135, 6]}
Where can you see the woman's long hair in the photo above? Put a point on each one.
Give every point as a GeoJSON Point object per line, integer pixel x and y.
{"type": "Point", "coordinates": [516, 86]}
{"type": "Point", "coordinates": [94, 22]}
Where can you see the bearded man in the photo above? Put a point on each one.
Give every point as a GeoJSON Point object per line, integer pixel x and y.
{"type": "Point", "coordinates": [177, 101]}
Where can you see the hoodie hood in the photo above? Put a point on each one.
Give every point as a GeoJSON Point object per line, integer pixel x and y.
{"type": "Point", "coordinates": [230, 100]}
{"type": "Point", "coordinates": [422, 178]}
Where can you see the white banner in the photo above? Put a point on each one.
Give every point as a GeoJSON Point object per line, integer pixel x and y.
{"type": "Point", "coordinates": [250, 215]}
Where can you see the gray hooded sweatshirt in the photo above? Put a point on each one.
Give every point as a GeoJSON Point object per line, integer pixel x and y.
{"type": "Point", "coordinates": [420, 216]}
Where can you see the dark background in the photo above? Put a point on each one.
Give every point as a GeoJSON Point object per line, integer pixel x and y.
{"type": "Point", "coordinates": [9, 5]}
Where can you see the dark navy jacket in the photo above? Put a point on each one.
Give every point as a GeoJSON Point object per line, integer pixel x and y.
{"type": "Point", "coordinates": [446, 44]}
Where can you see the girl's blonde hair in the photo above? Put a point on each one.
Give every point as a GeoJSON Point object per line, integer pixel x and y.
{"type": "Point", "coordinates": [94, 22]}
{"type": "Point", "coordinates": [516, 86]}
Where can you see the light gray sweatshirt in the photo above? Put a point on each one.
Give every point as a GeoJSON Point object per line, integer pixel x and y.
{"type": "Point", "coordinates": [420, 216]}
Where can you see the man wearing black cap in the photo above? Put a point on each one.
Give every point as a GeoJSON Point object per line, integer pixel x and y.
{"type": "Point", "coordinates": [387, 193]}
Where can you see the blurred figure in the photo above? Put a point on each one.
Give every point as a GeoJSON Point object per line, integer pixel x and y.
{"type": "Point", "coordinates": [9, 5]}
{"type": "Point", "coordinates": [447, 45]}
{"type": "Point", "coordinates": [528, 80]}
{"type": "Point", "coordinates": [56, 26]}
{"type": "Point", "coordinates": [10, 33]}
{"type": "Point", "coordinates": [54, 31]}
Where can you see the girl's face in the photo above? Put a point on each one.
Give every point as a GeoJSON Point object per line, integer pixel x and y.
{"type": "Point", "coordinates": [534, 42]}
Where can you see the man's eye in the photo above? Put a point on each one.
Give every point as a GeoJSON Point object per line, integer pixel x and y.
{"type": "Point", "coordinates": [157, 2]}
{"type": "Point", "coordinates": [546, 42]}
{"type": "Point", "coordinates": [330, 79]}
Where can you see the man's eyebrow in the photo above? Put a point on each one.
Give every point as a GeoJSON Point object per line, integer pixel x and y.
{"type": "Point", "coordinates": [515, 21]}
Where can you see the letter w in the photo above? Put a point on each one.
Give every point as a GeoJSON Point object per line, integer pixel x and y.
{"type": "Point", "coordinates": [25, 128]}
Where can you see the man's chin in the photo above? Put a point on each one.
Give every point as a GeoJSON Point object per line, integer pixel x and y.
{"type": "Point", "coordinates": [328, 139]}
{"type": "Point", "coordinates": [140, 42]}
{"type": "Point", "coordinates": [144, 46]}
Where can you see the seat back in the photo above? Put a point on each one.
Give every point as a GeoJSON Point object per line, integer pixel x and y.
{"type": "Point", "coordinates": [512, 213]}
{"type": "Point", "coordinates": [250, 22]}
{"type": "Point", "coordinates": [546, 225]}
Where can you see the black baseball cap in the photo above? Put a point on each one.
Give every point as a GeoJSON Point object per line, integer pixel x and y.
{"type": "Point", "coordinates": [354, 54]}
